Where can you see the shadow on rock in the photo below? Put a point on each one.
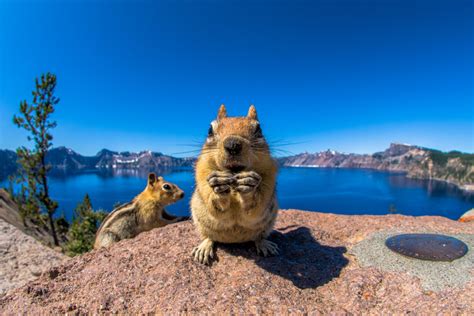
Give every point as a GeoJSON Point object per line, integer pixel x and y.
{"type": "Point", "coordinates": [302, 260]}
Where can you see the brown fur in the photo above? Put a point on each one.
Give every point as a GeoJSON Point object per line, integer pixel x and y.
{"type": "Point", "coordinates": [144, 213]}
{"type": "Point", "coordinates": [247, 208]}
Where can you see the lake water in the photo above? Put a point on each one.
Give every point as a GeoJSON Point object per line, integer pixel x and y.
{"type": "Point", "coordinates": [343, 191]}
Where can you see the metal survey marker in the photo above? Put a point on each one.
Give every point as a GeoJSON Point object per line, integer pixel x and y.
{"type": "Point", "coordinates": [432, 247]}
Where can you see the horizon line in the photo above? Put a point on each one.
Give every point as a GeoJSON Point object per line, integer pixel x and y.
{"type": "Point", "coordinates": [199, 150]}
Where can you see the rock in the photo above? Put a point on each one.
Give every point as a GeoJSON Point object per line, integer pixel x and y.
{"type": "Point", "coordinates": [467, 217]}
{"type": "Point", "coordinates": [22, 258]}
{"type": "Point", "coordinates": [318, 271]}
{"type": "Point", "coordinates": [433, 276]}
{"type": "Point", "coordinates": [10, 214]}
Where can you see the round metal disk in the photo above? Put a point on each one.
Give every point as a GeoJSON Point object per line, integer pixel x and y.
{"type": "Point", "coordinates": [431, 247]}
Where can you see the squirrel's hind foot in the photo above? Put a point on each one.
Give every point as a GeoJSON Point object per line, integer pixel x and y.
{"type": "Point", "coordinates": [204, 252]}
{"type": "Point", "coordinates": [266, 248]}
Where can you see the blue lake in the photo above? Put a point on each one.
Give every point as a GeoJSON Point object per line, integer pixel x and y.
{"type": "Point", "coordinates": [343, 191]}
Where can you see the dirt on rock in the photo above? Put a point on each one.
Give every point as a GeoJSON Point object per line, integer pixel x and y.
{"type": "Point", "coordinates": [315, 272]}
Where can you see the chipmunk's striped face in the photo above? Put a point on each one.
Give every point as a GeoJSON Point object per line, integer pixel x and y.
{"type": "Point", "coordinates": [162, 190]}
{"type": "Point", "coordinates": [238, 141]}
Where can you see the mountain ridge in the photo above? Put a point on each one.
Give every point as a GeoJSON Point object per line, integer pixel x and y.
{"type": "Point", "coordinates": [418, 162]}
{"type": "Point", "coordinates": [67, 160]}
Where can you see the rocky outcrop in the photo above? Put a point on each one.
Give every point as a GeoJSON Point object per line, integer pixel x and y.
{"type": "Point", "coordinates": [417, 162]}
{"type": "Point", "coordinates": [22, 258]}
{"type": "Point", "coordinates": [321, 269]}
{"type": "Point", "coordinates": [10, 214]}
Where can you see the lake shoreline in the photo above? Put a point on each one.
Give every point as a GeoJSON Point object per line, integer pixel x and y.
{"type": "Point", "coordinates": [465, 188]}
{"type": "Point", "coordinates": [339, 190]}
{"type": "Point", "coordinates": [61, 173]}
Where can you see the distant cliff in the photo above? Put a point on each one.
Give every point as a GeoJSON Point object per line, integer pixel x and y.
{"type": "Point", "coordinates": [454, 167]}
{"type": "Point", "coordinates": [65, 159]}
{"type": "Point", "coordinates": [7, 162]}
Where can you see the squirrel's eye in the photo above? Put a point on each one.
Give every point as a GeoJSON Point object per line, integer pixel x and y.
{"type": "Point", "coordinates": [210, 132]}
{"type": "Point", "coordinates": [258, 131]}
{"type": "Point", "coordinates": [166, 187]}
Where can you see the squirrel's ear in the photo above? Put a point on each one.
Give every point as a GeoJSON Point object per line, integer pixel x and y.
{"type": "Point", "coordinates": [222, 112]}
{"type": "Point", "coordinates": [252, 114]}
{"type": "Point", "coordinates": [151, 178]}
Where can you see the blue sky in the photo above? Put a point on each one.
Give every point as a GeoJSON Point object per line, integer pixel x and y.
{"type": "Point", "coordinates": [348, 75]}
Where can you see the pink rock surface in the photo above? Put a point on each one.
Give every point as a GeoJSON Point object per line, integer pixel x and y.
{"type": "Point", "coordinates": [22, 258]}
{"type": "Point", "coordinates": [314, 273]}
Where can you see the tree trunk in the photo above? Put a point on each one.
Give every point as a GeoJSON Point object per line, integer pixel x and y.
{"type": "Point", "coordinates": [48, 203]}
{"type": "Point", "coordinates": [53, 229]}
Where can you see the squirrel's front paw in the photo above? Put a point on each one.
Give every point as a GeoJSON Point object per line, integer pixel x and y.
{"type": "Point", "coordinates": [247, 181]}
{"type": "Point", "coordinates": [266, 247]}
{"type": "Point", "coordinates": [220, 181]}
{"type": "Point", "coordinates": [204, 252]}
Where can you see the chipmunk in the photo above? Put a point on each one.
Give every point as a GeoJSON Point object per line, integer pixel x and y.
{"type": "Point", "coordinates": [235, 199]}
{"type": "Point", "coordinates": [145, 212]}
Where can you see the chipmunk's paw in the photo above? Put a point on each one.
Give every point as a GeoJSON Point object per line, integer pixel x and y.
{"type": "Point", "coordinates": [247, 181]}
{"type": "Point", "coordinates": [204, 252]}
{"type": "Point", "coordinates": [266, 247]}
{"type": "Point", "coordinates": [220, 181]}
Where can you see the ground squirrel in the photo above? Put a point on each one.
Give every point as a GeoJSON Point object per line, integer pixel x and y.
{"type": "Point", "coordinates": [145, 212]}
{"type": "Point", "coordinates": [234, 200]}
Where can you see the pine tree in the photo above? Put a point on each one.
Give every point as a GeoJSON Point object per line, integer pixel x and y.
{"type": "Point", "coordinates": [81, 235]}
{"type": "Point", "coordinates": [34, 117]}
{"type": "Point", "coordinates": [83, 208]}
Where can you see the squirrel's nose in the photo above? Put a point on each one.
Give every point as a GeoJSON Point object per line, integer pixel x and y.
{"type": "Point", "coordinates": [233, 146]}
